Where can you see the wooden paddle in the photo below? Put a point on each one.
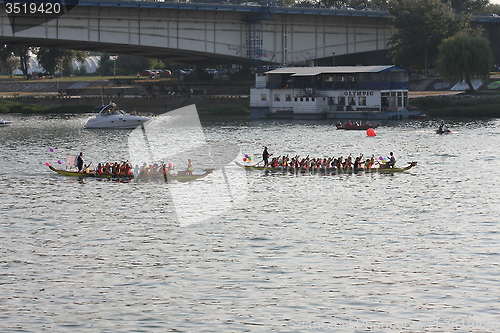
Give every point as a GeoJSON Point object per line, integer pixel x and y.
{"type": "Point", "coordinates": [256, 164]}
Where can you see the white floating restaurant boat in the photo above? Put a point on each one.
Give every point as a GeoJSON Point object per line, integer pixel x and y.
{"type": "Point", "coordinates": [338, 92]}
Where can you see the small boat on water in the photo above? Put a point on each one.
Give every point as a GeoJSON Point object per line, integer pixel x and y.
{"type": "Point", "coordinates": [327, 170]}
{"type": "Point", "coordinates": [180, 176]}
{"type": "Point", "coordinates": [443, 128]}
{"type": "Point", "coordinates": [111, 117]}
{"type": "Point", "coordinates": [354, 126]}
{"type": "Point", "coordinates": [5, 123]}
{"type": "Point", "coordinates": [443, 131]}
{"type": "Point", "coordinates": [419, 116]}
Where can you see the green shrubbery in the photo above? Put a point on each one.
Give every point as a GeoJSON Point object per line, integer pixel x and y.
{"type": "Point", "coordinates": [459, 107]}
{"type": "Point", "coordinates": [225, 111]}
{"type": "Point", "coordinates": [16, 107]}
{"type": "Point", "coordinates": [7, 106]}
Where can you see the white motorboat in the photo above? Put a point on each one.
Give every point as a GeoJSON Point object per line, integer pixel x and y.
{"type": "Point", "coordinates": [110, 116]}
{"type": "Point", "coordinates": [5, 122]}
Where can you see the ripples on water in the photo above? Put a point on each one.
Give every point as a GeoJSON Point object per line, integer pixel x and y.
{"type": "Point", "coordinates": [412, 252]}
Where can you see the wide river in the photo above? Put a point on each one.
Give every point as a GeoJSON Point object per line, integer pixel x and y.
{"type": "Point", "coordinates": [240, 250]}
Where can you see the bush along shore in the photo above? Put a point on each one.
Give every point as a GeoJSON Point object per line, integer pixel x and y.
{"type": "Point", "coordinates": [468, 106]}
{"type": "Point", "coordinates": [234, 107]}
{"type": "Point", "coordinates": [8, 106]}
{"type": "Point", "coordinates": [464, 106]}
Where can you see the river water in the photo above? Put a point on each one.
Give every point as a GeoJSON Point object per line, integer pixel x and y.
{"type": "Point", "coordinates": [408, 252]}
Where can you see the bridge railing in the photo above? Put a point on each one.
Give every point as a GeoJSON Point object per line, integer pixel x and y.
{"type": "Point", "coordinates": [244, 6]}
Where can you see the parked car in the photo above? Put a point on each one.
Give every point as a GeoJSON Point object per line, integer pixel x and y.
{"type": "Point", "coordinates": [165, 72]}
{"type": "Point", "coordinates": [147, 72]}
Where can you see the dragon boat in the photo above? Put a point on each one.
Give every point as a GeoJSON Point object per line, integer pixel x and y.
{"type": "Point", "coordinates": [72, 173]}
{"type": "Point", "coordinates": [180, 176]}
{"type": "Point", "coordinates": [326, 170]}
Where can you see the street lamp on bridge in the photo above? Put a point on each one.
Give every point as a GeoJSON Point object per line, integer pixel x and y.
{"type": "Point", "coordinates": [114, 57]}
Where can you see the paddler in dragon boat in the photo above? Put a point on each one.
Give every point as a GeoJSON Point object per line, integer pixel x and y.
{"type": "Point", "coordinates": [190, 168]}
{"type": "Point", "coordinates": [154, 170]}
{"type": "Point", "coordinates": [115, 169]}
{"type": "Point", "coordinates": [126, 169]}
{"type": "Point", "coordinates": [328, 163]}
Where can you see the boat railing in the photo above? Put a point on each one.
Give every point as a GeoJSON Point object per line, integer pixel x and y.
{"type": "Point", "coordinates": [349, 108]}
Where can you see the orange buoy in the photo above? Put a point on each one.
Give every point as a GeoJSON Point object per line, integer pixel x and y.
{"type": "Point", "coordinates": [371, 132]}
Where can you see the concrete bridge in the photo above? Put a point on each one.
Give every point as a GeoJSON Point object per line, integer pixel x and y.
{"type": "Point", "coordinates": [197, 33]}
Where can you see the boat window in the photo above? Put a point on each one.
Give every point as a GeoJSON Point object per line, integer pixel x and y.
{"type": "Point", "coordinates": [396, 77]}
{"type": "Point", "coordinates": [288, 97]}
{"type": "Point", "coordinates": [384, 101]}
{"type": "Point", "coordinates": [405, 77]}
{"type": "Point", "coordinates": [351, 81]}
{"type": "Point", "coordinates": [374, 77]}
{"type": "Point", "coordinates": [363, 77]}
{"type": "Point", "coordinates": [362, 101]}
{"type": "Point", "coordinates": [277, 97]}
{"type": "Point", "coordinates": [340, 81]}
{"type": "Point", "coordinates": [341, 100]}
{"type": "Point", "coordinates": [400, 98]}
{"type": "Point", "coordinates": [263, 97]}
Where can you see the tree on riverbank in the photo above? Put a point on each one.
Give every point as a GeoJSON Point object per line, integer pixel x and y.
{"type": "Point", "coordinates": [467, 6]}
{"type": "Point", "coordinates": [419, 28]}
{"type": "Point", "coordinates": [10, 65]}
{"type": "Point", "coordinates": [464, 57]}
{"type": "Point", "coordinates": [52, 59]}
{"type": "Point", "coordinates": [19, 51]}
